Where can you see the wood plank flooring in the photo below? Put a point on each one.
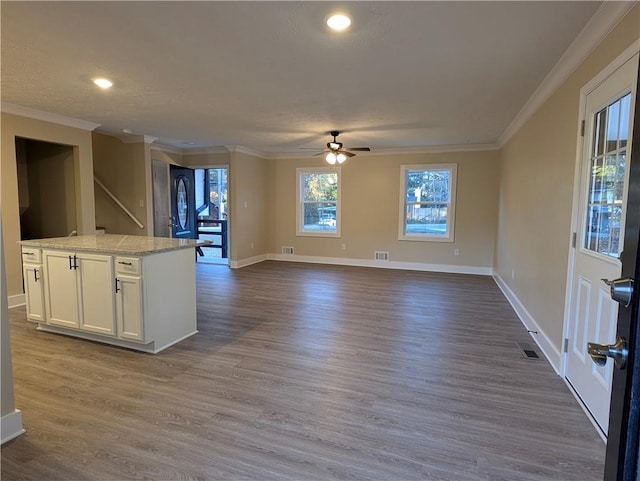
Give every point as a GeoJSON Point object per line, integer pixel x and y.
{"type": "Point", "coordinates": [305, 372]}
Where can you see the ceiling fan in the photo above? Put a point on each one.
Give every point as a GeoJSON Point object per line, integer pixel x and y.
{"type": "Point", "coordinates": [337, 153]}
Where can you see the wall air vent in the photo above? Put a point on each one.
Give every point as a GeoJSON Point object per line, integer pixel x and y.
{"type": "Point", "coordinates": [287, 250]}
{"type": "Point", "coordinates": [381, 256]}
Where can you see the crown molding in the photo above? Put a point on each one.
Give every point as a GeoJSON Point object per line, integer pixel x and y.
{"type": "Point", "coordinates": [136, 139]}
{"type": "Point", "coordinates": [432, 149]}
{"type": "Point", "coordinates": [248, 151]}
{"type": "Point", "coordinates": [206, 150]}
{"type": "Point", "coordinates": [189, 151]}
{"type": "Point", "coordinates": [597, 28]}
{"type": "Point", "coordinates": [169, 149]}
{"type": "Point", "coordinates": [435, 149]}
{"type": "Point", "coordinates": [47, 116]}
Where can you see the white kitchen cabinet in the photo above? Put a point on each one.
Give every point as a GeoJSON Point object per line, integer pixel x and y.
{"type": "Point", "coordinates": [33, 284]}
{"type": "Point", "coordinates": [129, 302]}
{"type": "Point", "coordinates": [130, 291]}
{"type": "Point", "coordinates": [61, 290]}
{"type": "Point", "coordinates": [79, 290]}
{"type": "Point", "coordinates": [96, 286]}
{"type": "Point", "coordinates": [129, 298]}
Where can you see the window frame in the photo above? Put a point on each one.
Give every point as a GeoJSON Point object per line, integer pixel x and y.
{"type": "Point", "coordinates": [300, 172]}
{"type": "Point", "coordinates": [451, 204]}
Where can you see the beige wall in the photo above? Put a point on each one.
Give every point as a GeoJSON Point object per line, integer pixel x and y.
{"type": "Point", "coordinates": [249, 206]}
{"type": "Point", "coordinates": [13, 126]}
{"type": "Point", "coordinates": [122, 168]}
{"type": "Point", "coordinates": [370, 210]}
{"type": "Point", "coordinates": [166, 157]}
{"type": "Point", "coordinates": [205, 160]}
{"type": "Point", "coordinates": [537, 172]}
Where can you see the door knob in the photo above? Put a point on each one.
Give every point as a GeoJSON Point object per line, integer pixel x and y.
{"type": "Point", "coordinates": [600, 352]}
{"type": "Point", "coordinates": [621, 290]}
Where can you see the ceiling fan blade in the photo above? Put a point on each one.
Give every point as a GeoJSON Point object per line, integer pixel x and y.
{"type": "Point", "coordinates": [319, 153]}
{"type": "Point", "coordinates": [347, 153]}
{"type": "Point", "coordinates": [309, 148]}
{"type": "Point", "coordinates": [360, 149]}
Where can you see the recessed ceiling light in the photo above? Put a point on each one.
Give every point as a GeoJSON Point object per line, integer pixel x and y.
{"type": "Point", "coordinates": [338, 21]}
{"type": "Point", "coordinates": [103, 83]}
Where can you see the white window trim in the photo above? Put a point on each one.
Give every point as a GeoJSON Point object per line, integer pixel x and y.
{"type": "Point", "coordinates": [299, 202]}
{"type": "Point", "coordinates": [451, 211]}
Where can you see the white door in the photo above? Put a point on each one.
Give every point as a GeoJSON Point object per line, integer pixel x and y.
{"type": "Point", "coordinates": [60, 293]}
{"type": "Point", "coordinates": [96, 287]}
{"type": "Point", "coordinates": [601, 214]}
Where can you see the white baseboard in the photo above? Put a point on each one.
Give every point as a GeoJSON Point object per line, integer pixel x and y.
{"type": "Point", "coordinates": [16, 301]}
{"type": "Point", "coordinates": [408, 266]}
{"type": "Point", "coordinates": [248, 261]}
{"type": "Point", "coordinates": [542, 340]}
{"type": "Point", "coordinates": [11, 426]}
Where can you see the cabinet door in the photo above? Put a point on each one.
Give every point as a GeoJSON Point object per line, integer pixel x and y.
{"type": "Point", "coordinates": [129, 308]}
{"type": "Point", "coordinates": [34, 292]}
{"type": "Point", "coordinates": [61, 292]}
{"type": "Point", "coordinates": [96, 285]}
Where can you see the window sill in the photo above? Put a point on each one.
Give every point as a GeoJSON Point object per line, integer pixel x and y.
{"type": "Point", "coordinates": [425, 238]}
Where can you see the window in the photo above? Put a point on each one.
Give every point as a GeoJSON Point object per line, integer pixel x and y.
{"type": "Point", "coordinates": [608, 178]}
{"type": "Point", "coordinates": [427, 202]}
{"type": "Point", "coordinates": [318, 211]}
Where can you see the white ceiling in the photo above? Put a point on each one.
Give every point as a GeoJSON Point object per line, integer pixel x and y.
{"type": "Point", "coordinates": [271, 77]}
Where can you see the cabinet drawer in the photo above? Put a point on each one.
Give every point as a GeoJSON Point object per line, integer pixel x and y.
{"type": "Point", "coordinates": [31, 255]}
{"type": "Point", "coordinates": [127, 265]}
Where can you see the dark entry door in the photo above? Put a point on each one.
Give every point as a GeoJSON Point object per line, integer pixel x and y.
{"type": "Point", "coordinates": [183, 203]}
{"type": "Point", "coordinates": [623, 439]}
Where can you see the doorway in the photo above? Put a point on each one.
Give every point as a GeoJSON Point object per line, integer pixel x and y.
{"type": "Point", "coordinates": [46, 189]}
{"type": "Point", "coordinates": [212, 208]}
{"type": "Point", "coordinates": [600, 216]}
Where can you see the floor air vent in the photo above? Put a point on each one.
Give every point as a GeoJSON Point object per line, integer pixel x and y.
{"type": "Point", "coordinates": [381, 256]}
{"type": "Point", "coordinates": [527, 350]}
{"type": "Point", "coordinates": [287, 250]}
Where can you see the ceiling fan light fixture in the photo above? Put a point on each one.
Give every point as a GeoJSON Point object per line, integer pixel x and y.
{"type": "Point", "coordinates": [341, 157]}
{"type": "Point", "coordinates": [334, 145]}
{"type": "Point", "coordinates": [338, 22]}
{"type": "Point", "coordinates": [331, 158]}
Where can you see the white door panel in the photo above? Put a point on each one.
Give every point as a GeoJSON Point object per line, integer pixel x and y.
{"type": "Point", "coordinates": [96, 281]}
{"type": "Point", "coordinates": [601, 212]}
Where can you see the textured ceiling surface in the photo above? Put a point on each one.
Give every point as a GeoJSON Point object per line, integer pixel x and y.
{"type": "Point", "coordinates": [271, 76]}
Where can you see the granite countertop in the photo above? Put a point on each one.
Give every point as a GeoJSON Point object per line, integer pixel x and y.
{"type": "Point", "coordinates": [132, 245]}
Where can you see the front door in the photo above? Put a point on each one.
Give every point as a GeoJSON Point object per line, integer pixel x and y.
{"type": "Point", "coordinates": [600, 235]}
{"type": "Point", "coordinates": [623, 440]}
{"type": "Point", "coordinates": [183, 203]}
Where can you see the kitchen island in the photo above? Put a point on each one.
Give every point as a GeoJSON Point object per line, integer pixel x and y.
{"type": "Point", "coordinates": [130, 291]}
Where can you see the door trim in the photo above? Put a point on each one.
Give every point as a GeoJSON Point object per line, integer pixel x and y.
{"type": "Point", "coordinates": [598, 79]}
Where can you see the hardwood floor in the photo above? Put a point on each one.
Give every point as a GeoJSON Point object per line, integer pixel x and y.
{"type": "Point", "coordinates": [305, 372]}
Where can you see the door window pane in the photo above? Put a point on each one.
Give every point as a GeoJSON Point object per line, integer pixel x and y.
{"type": "Point", "coordinates": [625, 105]}
{"type": "Point", "coordinates": [607, 182]}
{"type": "Point", "coordinates": [181, 201]}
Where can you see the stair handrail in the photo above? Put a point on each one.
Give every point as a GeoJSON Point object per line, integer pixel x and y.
{"type": "Point", "coordinates": [120, 204]}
